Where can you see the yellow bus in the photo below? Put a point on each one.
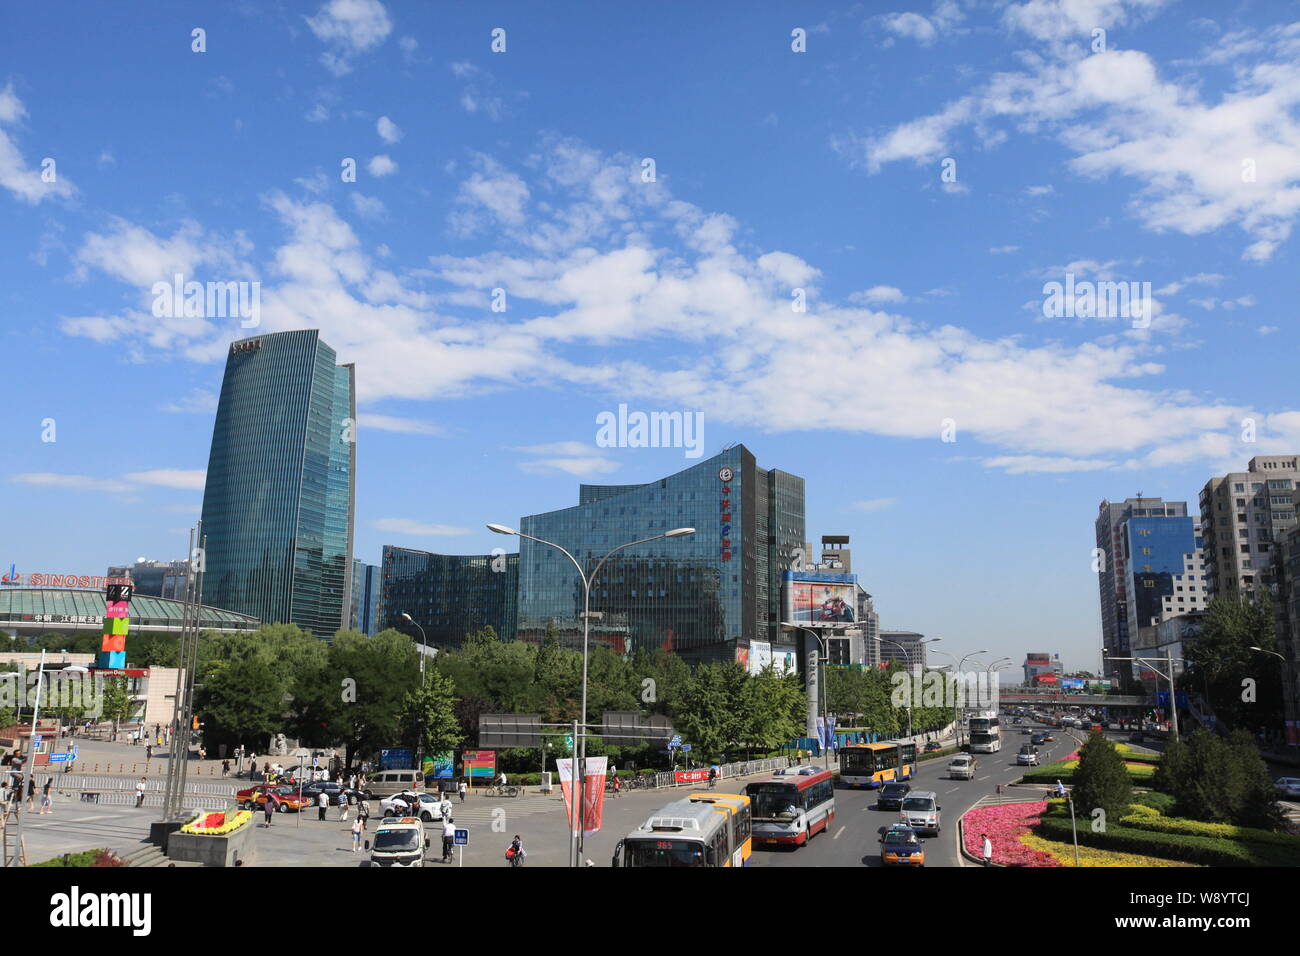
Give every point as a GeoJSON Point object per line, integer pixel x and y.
{"type": "Point", "coordinates": [870, 765]}
{"type": "Point", "coordinates": [737, 810]}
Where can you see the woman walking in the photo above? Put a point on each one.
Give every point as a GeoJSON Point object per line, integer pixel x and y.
{"type": "Point", "coordinates": [357, 827]}
{"type": "Point", "coordinates": [47, 804]}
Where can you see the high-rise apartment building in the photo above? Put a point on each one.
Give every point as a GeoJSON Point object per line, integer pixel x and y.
{"type": "Point", "coordinates": [280, 495]}
{"type": "Point", "coordinates": [1243, 514]}
{"type": "Point", "coordinates": [1112, 577]}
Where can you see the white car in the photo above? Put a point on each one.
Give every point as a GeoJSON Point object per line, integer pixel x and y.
{"type": "Point", "coordinates": [920, 811]}
{"type": "Point", "coordinates": [428, 803]}
{"type": "Point", "coordinates": [1028, 757]}
{"type": "Point", "coordinates": [1288, 788]}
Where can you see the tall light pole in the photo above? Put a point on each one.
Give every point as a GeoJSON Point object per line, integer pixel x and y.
{"type": "Point", "coordinates": [578, 801]}
{"type": "Point", "coordinates": [1167, 674]}
{"type": "Point", "coordinates": [956, 671]}
{"type": "Point", "coordinates": [907, 656]}
{"type": "Point", "coordinates": [423, 646]}
{"type": "Point", "coordinates": [1286, 684]}
{"type": "Point", "coordinates": [822, 655]}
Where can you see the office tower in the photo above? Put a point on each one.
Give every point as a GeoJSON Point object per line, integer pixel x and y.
{"type": "Point", "coordinates": [279, 500]}
{"type": "Point", "coordinates": [448, 595]}
{"type": "Point", "coordinates": [366, 588]}
{"type": "Point", "coordinates": [906, 647]}
{"type": "Point", "coordinates": [1112, 577]}
{"type": "Point", "coordinates": [706, 596]}
{"type": "Point", "coordinates": [165, 579]}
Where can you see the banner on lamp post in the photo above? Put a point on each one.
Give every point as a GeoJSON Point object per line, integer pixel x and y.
{"type": "Point", "coordinates": [593, 795]}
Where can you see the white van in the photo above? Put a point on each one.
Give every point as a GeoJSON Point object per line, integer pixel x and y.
{"type": "Point", "coordinates": [961, 767]}
{"type": "Point", "coordinates": [921, 811]}
{"type": "Point", "coordinates": [386, 783]}
{"type": "Point", "coordinates": [399, 841]}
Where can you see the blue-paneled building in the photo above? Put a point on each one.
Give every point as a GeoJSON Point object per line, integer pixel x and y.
{"type": "Point", "coordinates": [449, 595]}
{"type": "Point", "coordinates": [1154, 548]}
{"type": "Point", "coordinates": [367, 585]}
{"type": "Point", "coordinates": [278, 505]}
{"type": "Point", "coordinates": [704, 597]}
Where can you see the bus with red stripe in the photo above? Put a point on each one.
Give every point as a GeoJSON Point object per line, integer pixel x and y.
{"type": "Point", "coordinates": [792, 805]}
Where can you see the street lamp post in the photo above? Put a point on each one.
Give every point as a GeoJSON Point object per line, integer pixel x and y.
{"type": "Point", "coordinates": [1167, 674]}
{"type": "Point", "coordinates": [907, 656]}
{"type": "Point", "coordinates": [1286, 685]}
{"type": "Point", "coordinates": [822, 654]}
{"type": "Point", "coordinates": [577, 788]}
{"type": "Point", "coordinates": [424, 646]}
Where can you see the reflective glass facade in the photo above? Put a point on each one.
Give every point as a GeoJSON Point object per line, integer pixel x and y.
{"type": "Point", "coordinates": [449, 595]}
{"type": "Point", "coordinates": [278, 504]}
{"type": "Point", "coordinates": [703, 597]}
{"type": "Point", "coordinates": [367, 584]}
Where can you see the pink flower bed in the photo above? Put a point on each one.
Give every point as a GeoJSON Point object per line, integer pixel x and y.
{"type": "Point", "coordinates": [1005, 824]}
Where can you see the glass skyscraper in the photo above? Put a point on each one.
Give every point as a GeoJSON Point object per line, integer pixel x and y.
{"type": "Point", "coordinates": [449, 595]}
{"type": "Point", "coordinates": [703, 597]}
{"type": "Point", "coordinates": [279, 501]}
{"type": "Point", "coordinates": [366, 586]}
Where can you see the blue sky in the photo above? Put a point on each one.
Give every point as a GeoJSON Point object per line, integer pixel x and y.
{"type": "Point", "coordinates": [1165, 151]}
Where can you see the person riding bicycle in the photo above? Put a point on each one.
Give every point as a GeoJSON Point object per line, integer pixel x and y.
{"type": "Point", "coordinates": [501, 781]}
{"type": "Point", "coordinates": [713, 776]}
{"type": "Point", "coordinates": [448, 838]}
{"type": "Point", "coordinates": [515, 851]}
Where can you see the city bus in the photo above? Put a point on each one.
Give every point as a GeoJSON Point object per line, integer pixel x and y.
{"type": "Point", "coordinates": [736, 807]}
{"type": "Point", "coordinates": [985, 733]}
{"type": "Point", "coordinates": [683, 833]}
{"type": "Point", "coordinates": [870, 765]}
{"type": "Point", "coordinates": [792, 805]}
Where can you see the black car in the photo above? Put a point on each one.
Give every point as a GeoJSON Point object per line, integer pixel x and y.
{"type": "Point", "coordinates": [336, 791]}
{"type": "Point", "coordinates": [1038, 739]}
{"type": "Point", "coordinates": [892, 794]}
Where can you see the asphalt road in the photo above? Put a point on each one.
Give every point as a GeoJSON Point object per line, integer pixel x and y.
{"type": "Point", "coordinates": [853, 839]}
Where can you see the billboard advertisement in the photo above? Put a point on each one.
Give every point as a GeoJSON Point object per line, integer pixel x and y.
{"type": "Point", "coordinates": [826, 600]}
{"type": "Point", "coordinates": [780, 657]}
{"type": "Point", "coordinates": [480, 764]}
{"type": "Point", "coordinates": [1074, 684]}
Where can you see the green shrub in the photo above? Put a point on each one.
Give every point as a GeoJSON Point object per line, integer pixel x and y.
{"type": "Point", "coordinates": [1208, 851]}
{"type": "Point", "coordinates": [1176, 825]}
{"type": "Point", "coordinates": [1162, 803]}
{"type": "Point", "coordinates": [1219, 781]}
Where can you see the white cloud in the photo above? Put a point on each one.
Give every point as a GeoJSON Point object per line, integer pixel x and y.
{"type": "Point", "coordinates": [1267, 329]}
{"type": "Point", "coordinates": [381, 165]}
{"type": "Point", "coordinates": [568, 457]}
{"type": "Point", "coordinates": [419, 528]}
{"type": "Point", "coordinates": [317, 114]}
{"type": "Point", "coordinates": [1037, 464]}
{"type": "Point", "coordinates": [924, 30]}
{"type": "Point", "coordinates": [875, 504]}
{"type": "Point", "coordinates": [1199, 165]}
{"type": "Point", "coordinates": [1003, 250]}
{"type": "Point", "coordinates": [403, 426]}
{"type": "Point", "coordinates": [878, 294]}
{"type": "Point", "coordinates": [199, 400]}
{"type": "Point", "coordinates": [349, 28]}
{"type": "Point", "coordinates": [46, 479]}
{"type": "Point", "coordinates": [25, 183]}
{"type": "Point", "coordinates": [368, 207]}
{"type": "Point", "coordinates": [388, 131]}
{"type": "Point", "coordinates": [170, 478]}
{"type": "Point", "coordinates": [475, 96]}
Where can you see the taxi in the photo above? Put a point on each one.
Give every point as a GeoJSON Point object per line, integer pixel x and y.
{"type": "Point", "coordinates": [287, 797]}
{"type": "Point", "coordinates": [901, 846]}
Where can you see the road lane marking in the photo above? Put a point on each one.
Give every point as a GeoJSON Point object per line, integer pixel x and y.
{"type": "Point", "coordinates": [838, 832]}
{"type": "Point", "coordinates": [985, 777]}
{"type": "Point", "coordinates": [954, 789]}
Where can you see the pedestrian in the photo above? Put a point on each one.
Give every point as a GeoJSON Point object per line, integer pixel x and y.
{"type": "Point", "coordinates": [322, 801]}
{"type": "Point", "coordinates": [225, 768]}
{"type": "Point", "coordinates": [444, 808]}
{"type": "Point", "coordinates": [987, 850]}
{"type": "Point", "coordinates": [269, 805]}
{"type": "Point", "coordinates": [448, 839]}
{"type": "Point", "coordinates": [343, 806]}
{"type": "Point", "coordinates": [357, 827]}
{"type": "Point", "coordinates": [47, 805]}
{"type": "Point", "coordinates": [462, 787]}
{"type": "Point", "coordinates": [148, 751]}
{"type": "Point", "coordinates": [140, 789]}
{"type": "Point", "coordinates": [203, 752]}
{"type": "Point", "coordinates": [363, 812]}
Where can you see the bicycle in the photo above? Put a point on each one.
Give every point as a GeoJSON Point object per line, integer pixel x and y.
{"type": "Point", "coordinates": [496, 790]}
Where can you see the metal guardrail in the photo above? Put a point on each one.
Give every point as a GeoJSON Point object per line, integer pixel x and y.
{"type": "Point", "coordinates": [124, 798]}
{"type": "Point", "coordinates": [81, 781]}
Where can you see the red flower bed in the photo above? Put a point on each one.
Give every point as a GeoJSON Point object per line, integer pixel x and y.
{"type": "Point", "coordinates": [1005, 824]}
{"type": "Point", "coordinates": [213, 820]}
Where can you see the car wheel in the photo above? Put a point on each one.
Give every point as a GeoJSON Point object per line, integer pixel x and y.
{"type": "Point", "coordinates": [282, 808]}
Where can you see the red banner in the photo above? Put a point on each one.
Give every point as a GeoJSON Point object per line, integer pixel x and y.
{"type": "Point", "coordinates": [593, 792]}
{"type": "Point", "coordinates": [691, 776]}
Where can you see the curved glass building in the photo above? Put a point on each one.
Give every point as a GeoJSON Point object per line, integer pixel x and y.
{"type": "Point", "coordinates": [279, 501]}
{"type": "Point", "coordinates": [704, 597]}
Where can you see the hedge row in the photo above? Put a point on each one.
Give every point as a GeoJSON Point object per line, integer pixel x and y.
{"type": "Point", "coordinates": [1064, 770]}
{"type": "Point", "coordinates": [1152, 821]}
{"type": "Point", "coordinates": [1209, 851]}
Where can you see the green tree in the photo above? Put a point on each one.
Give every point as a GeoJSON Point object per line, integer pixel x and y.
{"type": "Point", "coordinates": [1222, 661]}
{"type": "Point", "coordinates": [1218, 781]}
{"type": "Point", "coordinates": [701, 717]}
{"type": "Point", "coordinates": [1102, 780]}
{"type": "Point", "coordinates": [117, 701]}
{"type": "Point", "coordinates": [429, 713]}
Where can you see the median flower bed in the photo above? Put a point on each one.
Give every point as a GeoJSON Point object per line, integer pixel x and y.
{"type": "Point", "coordinates": [1005, 825]}
{"type": "Point", "coordinates": [1140, 771]}
{"type": "Point", "coordinates": [1063, 853]}
{"type": "Point", "coordinates": [216, 823]}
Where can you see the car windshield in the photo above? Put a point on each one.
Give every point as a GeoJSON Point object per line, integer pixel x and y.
{"type": "Point", "coordinates": [918, 803]}
{"type": "Point", "coordinates": [664, 853]}
{"type": "Point", "coordinates": [897, 837]}
{"type": "Point", "coordinates": [397, 840]}
{"type": "Point", "coordinates": [774, 801]}
{"type": "Point", "coordinates": [961, 761]}
{"type": "Point", "coordinates": [894, 789]}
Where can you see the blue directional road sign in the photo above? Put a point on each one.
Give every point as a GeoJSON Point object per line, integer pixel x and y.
{"type": "Point", "coordinates": [462, 838]}
{"type": "Point", "coordinates": [686, 748]}
{"type": "Point", "coordinates": [58, 758]}
{"type": "Point", "coordinates": [675, 742]}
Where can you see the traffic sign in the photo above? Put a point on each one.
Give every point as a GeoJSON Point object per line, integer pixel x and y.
{"type": "Point", "coordinates": [686, 748]}
{"type": "Point", "coordinates": [568, 741]}
{"type": "Point", "coordinates": [675, 742]}
{"type": "Point", "coordinates": [58, 758]}
{"type": "Point", "coordinates": [462, 838]}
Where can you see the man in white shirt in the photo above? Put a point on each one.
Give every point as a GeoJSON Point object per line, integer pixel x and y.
{"type": "Point", "coordinates": [448, 838]}
{"type": "Point", "coordinates": [987, 849]}
{"type": "Point", "coordinates": [444, 808]}
{"type": "Point", "coordinates": [501, 780]}
{"type": "Point", "coordinates": [322, 801]}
